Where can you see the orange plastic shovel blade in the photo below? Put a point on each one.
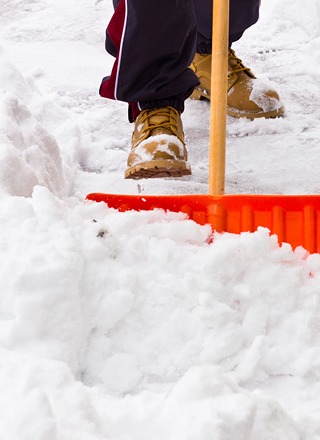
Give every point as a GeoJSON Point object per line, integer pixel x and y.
{"type": "Point", "coordinates": [294, 219]}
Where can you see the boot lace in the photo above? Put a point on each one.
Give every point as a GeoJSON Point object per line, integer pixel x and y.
{"type": "Point", "coordinates": [170, 123]}
{"type": "Point", "coordinates": [239, 67]}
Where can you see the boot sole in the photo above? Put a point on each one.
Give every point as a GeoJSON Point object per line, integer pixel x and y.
{"type": "Point", "coordinates": [158, 168]}
{"type": "Point", "coordinates": [200, 94]}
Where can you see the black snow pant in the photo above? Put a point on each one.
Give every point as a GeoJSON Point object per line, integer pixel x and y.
{"type": "Point", "coordinates": [154, 43]}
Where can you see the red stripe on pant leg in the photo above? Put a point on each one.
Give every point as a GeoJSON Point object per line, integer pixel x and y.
{"type": "Point", "coordinates": [115, 31]}
{"type": "Point", "coordinates": [108, 87]}
{"type": "Point", "coordinates": [115, 28]}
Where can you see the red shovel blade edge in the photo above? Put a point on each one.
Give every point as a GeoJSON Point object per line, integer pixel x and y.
{"type": "Point", "coordinates": [294, 219]}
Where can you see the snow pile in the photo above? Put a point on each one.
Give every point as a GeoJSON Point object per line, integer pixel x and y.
{"type": "Point", "coordinates": [249, 323]}
{"type": "Point", "coordinates": [204, 403]}
{"type": "Point", "coordinates": [30, 154]}
{"type": "Point", "coordinates": [42, 400]}
{"type": "Point", "coordinates": [163, 329]}
{"type": "Point", "coordinates": [215, 397]}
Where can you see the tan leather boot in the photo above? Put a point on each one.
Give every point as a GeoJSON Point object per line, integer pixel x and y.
{"type": "Point", "coordinates": [157, 146]}
{"type": "Point", "coordinates": [247, 96]}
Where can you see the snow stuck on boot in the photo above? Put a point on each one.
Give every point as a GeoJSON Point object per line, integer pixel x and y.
{"type": "Point", "coordinates": [260, 87]}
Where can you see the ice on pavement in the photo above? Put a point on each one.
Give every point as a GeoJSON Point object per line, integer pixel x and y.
{"type": "Point", "coordinates": [138, 325]}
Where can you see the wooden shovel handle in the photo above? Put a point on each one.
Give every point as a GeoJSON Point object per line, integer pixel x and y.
{"type": "Point", "coordinates": [219, 83]}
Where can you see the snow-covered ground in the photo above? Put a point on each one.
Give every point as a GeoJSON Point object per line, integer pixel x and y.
{"type": "Point", "coordinates": [132, 325]}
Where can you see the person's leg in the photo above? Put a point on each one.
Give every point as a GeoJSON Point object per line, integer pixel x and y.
{"type": "Point", "coordinates": [243, 14]}
{"type": "Point", "coordinates": [154, 44]}
{"type": "Point", "coordinates": [244, 99]}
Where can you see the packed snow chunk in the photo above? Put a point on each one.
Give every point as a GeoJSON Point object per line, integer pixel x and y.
{"type": "Point", "coordinates": [11, 80]}
{"type": "Point", "coordinates": [16, 176]}
{"type": "Point", "coordinates": [41, 400]}
{"type": "Point", "coordinates": [30, 155]}
{"type": "Point", "coordinates": [121, 373]}
{"type": "Point", "coordinates": [44, 426]}
{"type": "Point", "coordinates": [206, 403]}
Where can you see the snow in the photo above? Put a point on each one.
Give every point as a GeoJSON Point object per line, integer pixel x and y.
{"type": "Point", "coordinates": [137, 325]}
{"type": "Point", "coordinates": [259, 94]}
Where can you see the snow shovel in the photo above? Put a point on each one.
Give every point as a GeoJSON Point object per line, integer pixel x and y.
{"type": "Point", "coordinates": [294, 219]}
